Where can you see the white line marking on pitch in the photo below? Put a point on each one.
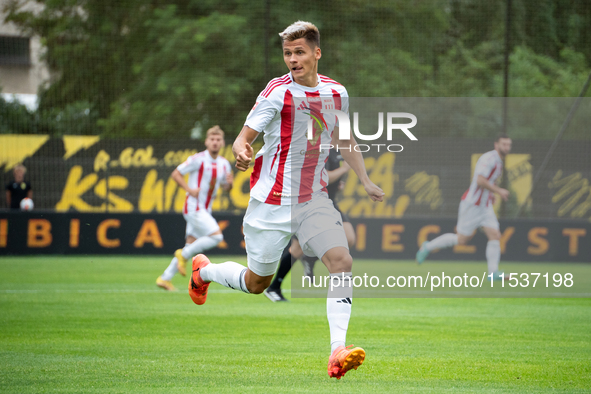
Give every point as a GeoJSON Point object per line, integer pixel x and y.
{"type": "Point", "coordinates": [36, 291]}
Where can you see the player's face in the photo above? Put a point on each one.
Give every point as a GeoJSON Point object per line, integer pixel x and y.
{"type": "Point", "coordinates": [503, 146]}
{"type": "Point", "coordinates": [19, 175]}
{"type": "Point", "coordinates": [214, 143]}
{"type": "Point", "coordinates": [302, 60]}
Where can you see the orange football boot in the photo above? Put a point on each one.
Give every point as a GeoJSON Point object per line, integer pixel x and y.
{"type": "Point", "coordinates": [197, 287]}
{"type": "Point", "coordinates": [165, 284]}
{"type": "Point", "coordinates": [343, 359]}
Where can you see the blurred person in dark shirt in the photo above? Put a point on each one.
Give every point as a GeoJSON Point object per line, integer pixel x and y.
{"type": "Point", "coordinates": [18, 188]}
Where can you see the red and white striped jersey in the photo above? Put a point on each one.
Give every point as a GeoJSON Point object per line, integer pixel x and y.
{"type": "Point", "coordinates": [207, 174]}
{"type": "Point", "coordinates": [289, 168]}
{"type": "Point", "coordinates": [490, 166]}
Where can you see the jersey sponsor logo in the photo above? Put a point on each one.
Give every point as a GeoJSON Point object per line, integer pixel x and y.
{"type": "Point", "coordinates": [310, 152]}
{"type": "Point", "coordinates": [279, 194]}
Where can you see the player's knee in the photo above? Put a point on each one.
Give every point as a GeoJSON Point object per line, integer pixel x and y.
{"type": "Point", "coordinates": [217, 237]}
{"type": "Point", "coordinates": [494, 235]}
{"type": "Point", "coordinates": [341, 263]}
{"type": "Point", "coordinates": [257, 286]}
{"type": "Point", "coordinates": [255, 289]}
{"type": "Point", "coordinates": [462, 239]}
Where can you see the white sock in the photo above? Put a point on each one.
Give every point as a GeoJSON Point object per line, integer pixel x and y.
{"type": "Point", "coordinates": [229, 274]}
{"type": "Point", "coordinates": [493, 255]}
{"type": "Point", "coordinates": [201, 245]}
{"type": "Point", "coordinates": [443, 241]}
{"type": "Point", "coordinates": [338, 309]}
{"type": "Point", "coordinates": [171, 270]}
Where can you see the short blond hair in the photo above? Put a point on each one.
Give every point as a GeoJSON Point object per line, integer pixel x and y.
{"type": "Point", "coordinates": [215, 130]}
{"type": "Point", "coordinates": [301, 29]}
{"type": "Point", "coordinates": [21, 167]}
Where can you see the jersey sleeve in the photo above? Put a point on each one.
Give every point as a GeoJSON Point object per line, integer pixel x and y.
{"type": "Point", "coordinates": [261, 114]}
{"type": "Point", "coordinates": [193, 163]}
{"type": "Point", "coordinates": [484, 165]}
{"type": "Point", "coordinates": [344, 103]}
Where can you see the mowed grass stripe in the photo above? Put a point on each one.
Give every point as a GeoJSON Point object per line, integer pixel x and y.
{"type": "Point", "coordinates": [124, 335]}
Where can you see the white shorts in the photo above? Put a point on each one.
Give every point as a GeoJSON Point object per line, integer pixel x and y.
{"type": "Point", "coordinates": [268, 229]}
{"type": "Point", "coordinates": [471, 217]}
{"type": "Point", "coordinates": [200, 223]}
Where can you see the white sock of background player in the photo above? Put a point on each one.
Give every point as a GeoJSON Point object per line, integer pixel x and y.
{"type": "Point", "coordinates": [443, 241]}
{"type": "Point", "coordinates": [201, 244]}
{"type": "Point", "coordinates": [338, 309]}
{"type": "Point", "coordinates": [171, 270]}
{"type": "Point", "coordinates": [493, 255]}
{"type": "Point", "coordinates": [229, 274]}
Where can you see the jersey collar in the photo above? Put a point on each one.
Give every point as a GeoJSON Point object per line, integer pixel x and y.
{"type": "Point", "coordinates": [318, 82]}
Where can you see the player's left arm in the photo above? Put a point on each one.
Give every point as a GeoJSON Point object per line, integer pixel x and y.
{"type": "Point", "coordinates": [486, 184]}
{"type": "Point", "coordinates": [30, 193]}
{"type": "Point", "coordinates": [355, 160]}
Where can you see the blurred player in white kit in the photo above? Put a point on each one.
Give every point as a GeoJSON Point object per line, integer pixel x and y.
{"type": "Point", "coordinates": [476, 209]}
{"type": "Point", "coordinates": [207, 172]}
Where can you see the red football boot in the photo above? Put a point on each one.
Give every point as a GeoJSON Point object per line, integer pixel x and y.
{"type": "Point", "coordinates": [197, 287]}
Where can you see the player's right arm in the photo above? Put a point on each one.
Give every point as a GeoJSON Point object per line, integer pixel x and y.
{"type": "Point", "coordinates": [355, 160]}
{"type": "Point", "coordinates": [242, 149]}
{"type": "Point", "coordinates": [178, 178]}
{"type": "Point", "coordinates": [192, 164]}
{"type": "Point", "coordinates": [265, 109]}
{"type": "Point", "coordinates": [484, 183]}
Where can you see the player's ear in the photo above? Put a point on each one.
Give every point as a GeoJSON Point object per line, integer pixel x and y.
{"type": "Point", "coordinates": [317, 53]}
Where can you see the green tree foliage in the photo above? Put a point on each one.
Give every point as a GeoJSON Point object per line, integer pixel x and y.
{"type": "Point", "coordinates": [154, 68]}
{"type": "Point", "coordinates": [78, 118]}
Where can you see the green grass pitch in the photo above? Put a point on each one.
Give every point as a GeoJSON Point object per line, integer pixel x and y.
{"type": "Point", "coordinates": [100, 325]}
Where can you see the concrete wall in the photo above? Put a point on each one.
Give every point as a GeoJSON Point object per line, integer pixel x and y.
{"type": "Point", "coordinates": [22, 79]}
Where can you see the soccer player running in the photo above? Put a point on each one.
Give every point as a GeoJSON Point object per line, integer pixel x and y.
{"type": "Point", "coordinates": [476, 209]}
{"type": "Point", "coordinates": [287, 194]}
{"type": "Point", "coordinates": [207, 171]}
{"type": "Point", "coordinates": [335, 172]}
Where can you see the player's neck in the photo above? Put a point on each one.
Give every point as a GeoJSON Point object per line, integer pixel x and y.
{"type": "Point", "coordinates": [214, 155]}
{"type": "Point", "coordinates": [502, 156]}
{"type": "Point", "coordinates": [310, 81]}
